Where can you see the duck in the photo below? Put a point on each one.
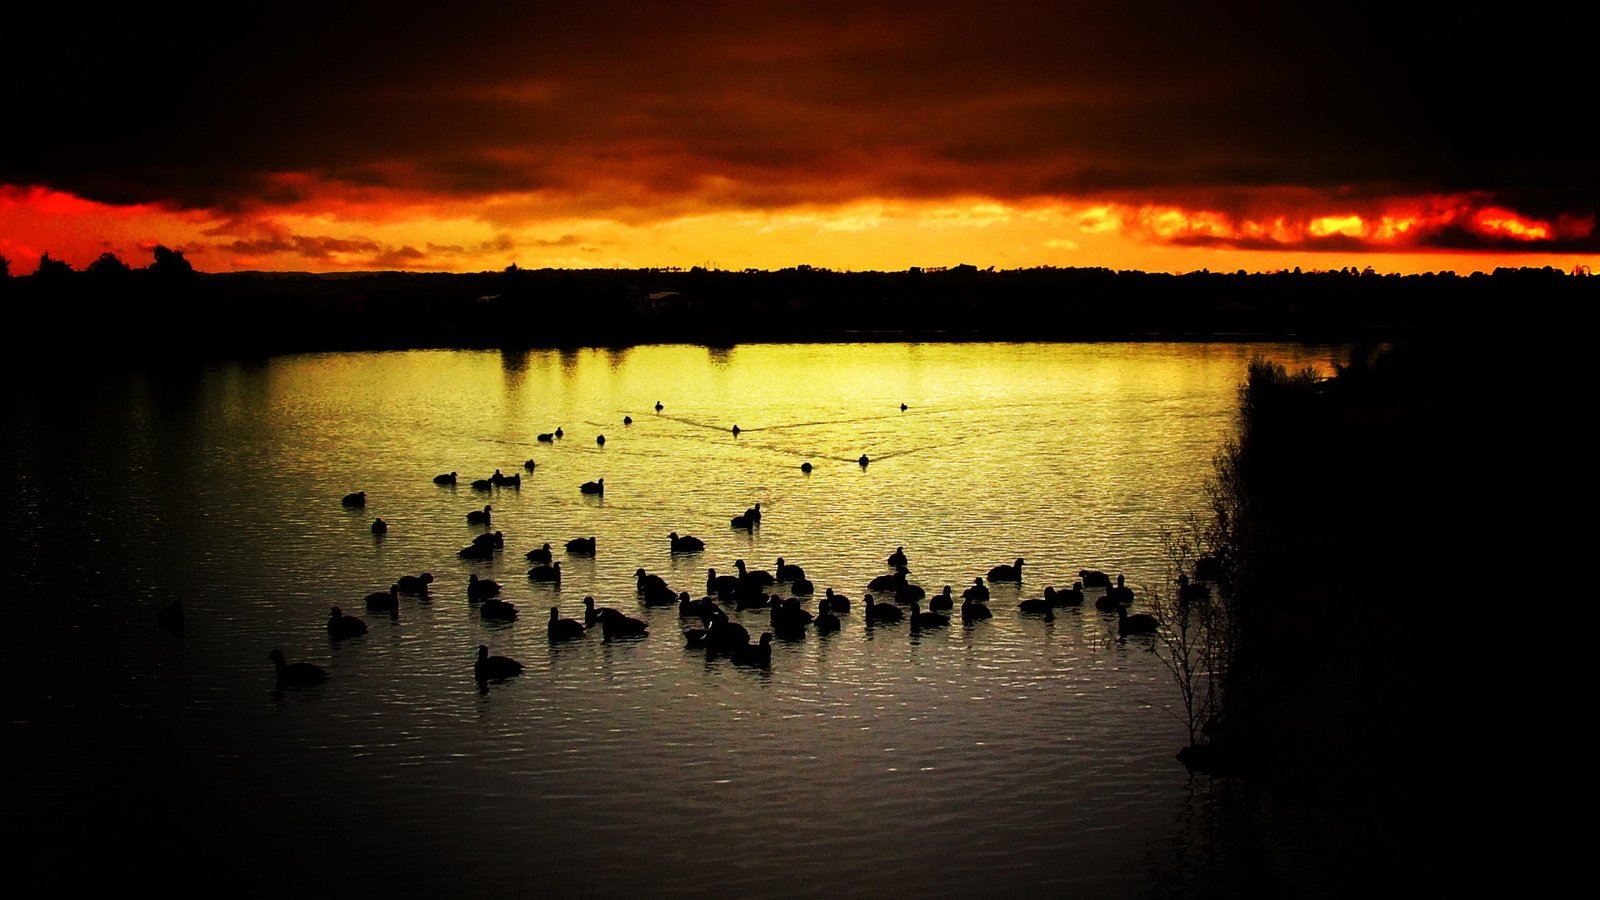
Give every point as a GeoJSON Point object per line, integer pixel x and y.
{"type": "Point", "coordinates": [499, 478]}
{"type": "Point", "coordinates": [550, 574]}
{"type": "Point", "coordinates": [802, 587]}
{"type": "Point", "coordinates": [904, 407]}
{"type": "Point", "coordinates": [972, 612]}
{"type": "Point", "coordinates": [920, 619]}
{"type": "Point", "coordinates": [497, 610]}
{"type": "Point", "coordinates": [979, 592]}
{"type": "Point", "coordinates": [805, 467]}
{"type": "Point", "coordinates": [300, 674]}
{"type": "Point", "coordinates": [597, 486]}
{"type": "Point", "coordinates": [494, 668]}
{"type": "Point", "coordinates": [759, 654]}
{"type": "Point", "coordinates": [1035, 605]}
{"type": "Point", "coordinates": [380, 527]}
{"type": "Point", "coordinates": [908, 592]}
{"type": "Point", "coordinates": [415, 584]}
{"type": "Point", "coordinates": [687, 543]}
{"type": "Point", "coordinates": [788, 571]}
{"type": "Point", "coordinates": [890, 582]}
{"type": "Point", "coordinates": [170, 616]}
{"type": "Point", "coordinates": [341, 626]}
{"type": "Point", "coordinates": [690, 608]}
{"type": "Point", "coordinates": [627, 420]}
{"type": "Point", "coordinates": [600, 439]}
{"type": "Point", "coordinates": [358, 499]}
{"type": "Point", "coordinates": [825, 620]}
{"type": "Point", "coordinates": [476, 552]}
{"type": "Point", "coordinates": [546, 438]}
{"type": "Point", "coordinates": [882, 612]}
{"type": "Point", "coordinates": [593, 614]}
{"type": "Point", "coordinates": [645, 582]}
{"type": "Point", "coordinates": [754, 513]}
{"type": "Point", "coordinates": [1094, 578]}
{"type": "Point", "coordinates": [721, 584]}
{"type": "Point", "coordinates": [942, 601]}
{"type": "Point", "coordinates": [540, 555]}
{"type": "Point", "coordinates": [618, 625]}
{"type": "Point", "coordinates": [863, 460]}
{"type": "Point", "coordinates": [665, 597]}
{"type": "Point", "coordinates": [482, 588]}
{"type": "Point", "coordinates": [1072, 596]}
{"type": "Point", "coordinates": [742, 520]}
{"type": "Point", "coordinates": [1122, 594]}
{"type": "Point", "coordinates": [581, 546]}
{"type": "Point", "coordinates": [563, 629]}
{"type": "Point", "coordinates": [559, 432]}
{"type": "Point", "coordinates": [724, 635]}
{"type": "Point", "coordinates": [1192, 590]}
{"type": "Point", "coordinates": [1138, 623]}
{"type": "Point", "coordinates": [1106, 603]}
{"type": "Point", "coordinates": [1007, 573]}
{"type": "Point", "coordinates": [837, 603]}
{"type": "Point", "coordinates": [528, 465]}
{"type": "Point", "coordinates": [447, 478]}
{"type": "Point", "coordinates": [897, 559]}
{"type": "Point", "coordinates": [735, 430]}
{"type": "Point", "coordinates": [510, 481]}
{"type": "Point", "coordinates": [479, 516]}
{"type": "Point", "coordinates": [659, 407]}
{"type": "Point", "coordinates": [482, 484]}
{"type": "Point", "coordinates": [759, 577]}
{"type": "Point", "coordinates": [384, 601]}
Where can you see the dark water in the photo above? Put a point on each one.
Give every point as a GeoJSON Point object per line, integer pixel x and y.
{"type": "Point", "coordinates": [1012, 757]}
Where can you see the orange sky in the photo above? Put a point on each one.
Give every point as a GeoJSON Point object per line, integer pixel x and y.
{"type": "Point", "coordinates": [1150, 136]}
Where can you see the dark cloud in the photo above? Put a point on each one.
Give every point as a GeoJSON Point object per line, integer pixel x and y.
{"type": "Point", "coordinates": [652, 109]}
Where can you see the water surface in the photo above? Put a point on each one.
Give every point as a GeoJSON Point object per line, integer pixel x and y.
{"type": "Point", "coordinates": [1011, 757]}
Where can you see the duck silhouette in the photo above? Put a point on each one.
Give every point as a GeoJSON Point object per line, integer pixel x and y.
{"type": "Point", "coordinates": [581, 546]}
{"type": "Point", "coordinates": [479, 516]}
{"type": "Point", "coordinates": [563, 629]}
{"type": "Point", "coordinates": [447, 478]}
{"type": "Point", "coordinates": [497, 610]}
{"type": "Point", "coordinates": [540, 555]}
{"type": "Point", "coordinates": [1138, 623]}
{"type": "Point", "coordinates": [882, 612]}
{"type": "Point", "coordinates": [482, 588]}
{"type": "Point", "coordinates": [341, 626]}
{"type": "Point", "coordinates": [356, 500]}
{"type": "Point", "coordinates": [380, 527]}
{"type": "Point", "coordinates": [494, 668]}
{"type": "Point", "coordinates": [550, 574]}
{"type": "Point", "coordinates": [597, 486]}
{"type": "Point", "coordinates": [687, 543]}
{"type": "Point", "coordinates": [300, 674]}
{"type": "Point", "coordinates": [759, 654]}
{"type": "Point", "coordinates": [1007, 573]}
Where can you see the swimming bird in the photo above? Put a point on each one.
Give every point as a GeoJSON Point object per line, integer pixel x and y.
{"type": "Point", "coordinates": [755, 654]}
{"type": "Point", "coordinates": [563, 629]}
{"type": "Point", "coordinates": [724, 635]}
{"type": "Point", "coordinates": [721, 584]}
{"type": "Point", "coordinates": [687, 543]}
{"type": "Point", "coordinates": [494, 539]}
{"type": "Point", "coordinates": [920, 619]}
{"type": "Point", "coordinates": [597, 486]}
{"type": "Point", "coordinates": [789, 571]}
{"type": "Point", "coordinates": [476, 552]}
{"type": "Point", "coordinates": [448, 478]}
{"type": "Point", "coordinates": [358, 499]}
{"type": "Point", "coordinates": [890, 582]}
{"type": "Point", "coordinates": [546, 438]}
{"type": "Point", "coordinates": [897, 559]}
{"type": "Point", "coordinates": [1035, 605]}
{"type": "Point", "coordinates": [482, 484]}
{"type": "Point", "coordinates": [479, 517]}
{"type": "Point", "coordinates": [1139, 623]}
{"type": "Point", "coordinates": [760, 577]}
{"type": "Point", "coordinates": [618, 625]}
{"type": "Point", "coordinates": [754, 513]}
{"type": "Point", "coordinates": [735, 431]}
{"type": "Point", "coordinates": [743, 520]}
{"type": "Point", "coordinates": [979, 592]}
{"type": "Point", "coordinates": [494, 668]}
{"type": "Point", "coordinates": [300, 674]}
{"type": "Point", "coordinates": [380, 527]}
{"type": "Point", "coordinates": [341, 626]}
{"type": "Point", "coordinates": [497, 610]}
{"type": "Point", "coordinates": [600, 439]}
{"type": "Point", "coordinates": [384, 601]}
{"type": "Point", "coordinates": [805, 467]}
{"type": "Point", "coordinates": [863, 460]}
{"type": "Point", "coordinates": [646, 582]}
{"type": "Point", "coordinates": [972, 611]}
{"type": "Point", "coordinates": [882, 612]}
{"type": "Point", "coordinates": [1121, 594]}
{"type": "Point", "coordinates": [659, 407]}
{"type": "Point", "coordinates": [528, 465]}
{"type": "Point", "coordinates": [559, 432]}
{"type": "Point", "coordinates": [904, 407]}
{"type": "Point", "coordinates": [627, 420]}
{"type": "Point", "coordinates": [1094, 578]}
{"type": "Point", "coordinates": [581, 546]}
{"type": "Point", "coordinates": [415, 584]}
{"type": "Point", "coordinates": [1007, 573]}
{"type": "Point", "coordinates": [482, 588]}
{"type": "Point", "coordinates": [1070, 597]}
{"type": "Point", "coordinates": [942, 601]}
{"type": "Point", "coordinates": [540, 555]}
{"type": "Point", "coordinates": [1192, 591]}
{"type": "Point", "coordinates": [837, 603]}
{"type": "Point", "coordinates": [802, 587]}
{"type": "Point", "coordinates": [664, 597]}
{"type": "Point", "coordinates": [593, 614]}
{"type": "Point", "coordinates": [825, 620]}
{"type": "Point", "coordinates": [551, 574]}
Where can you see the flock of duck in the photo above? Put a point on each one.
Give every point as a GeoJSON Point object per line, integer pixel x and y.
{"type": "Point", "coordinates": [894, 598]}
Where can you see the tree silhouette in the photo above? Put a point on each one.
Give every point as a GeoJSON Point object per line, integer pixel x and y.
{"type": "Point", "coordinates": [170, 264]}
{"type": "Point", "coordinates": [108, 266]}
{"type": "Point", "coordinates": [51, 268]}
{"type": "Point", "coordinates": [5, 267]}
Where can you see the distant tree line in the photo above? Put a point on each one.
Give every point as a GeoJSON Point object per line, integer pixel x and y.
{"type": "Point", "coordinates": [114, 309]}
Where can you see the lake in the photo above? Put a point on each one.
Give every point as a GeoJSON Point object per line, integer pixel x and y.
{"type": "Point", "coordinates": [1010, 757]}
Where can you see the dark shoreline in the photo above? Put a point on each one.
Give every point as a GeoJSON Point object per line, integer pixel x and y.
{"type": "Point", "coordinates": [146, 312]}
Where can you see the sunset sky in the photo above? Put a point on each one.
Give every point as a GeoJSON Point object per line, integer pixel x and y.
{"type": "Point", "coordinates": [464, 137]}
